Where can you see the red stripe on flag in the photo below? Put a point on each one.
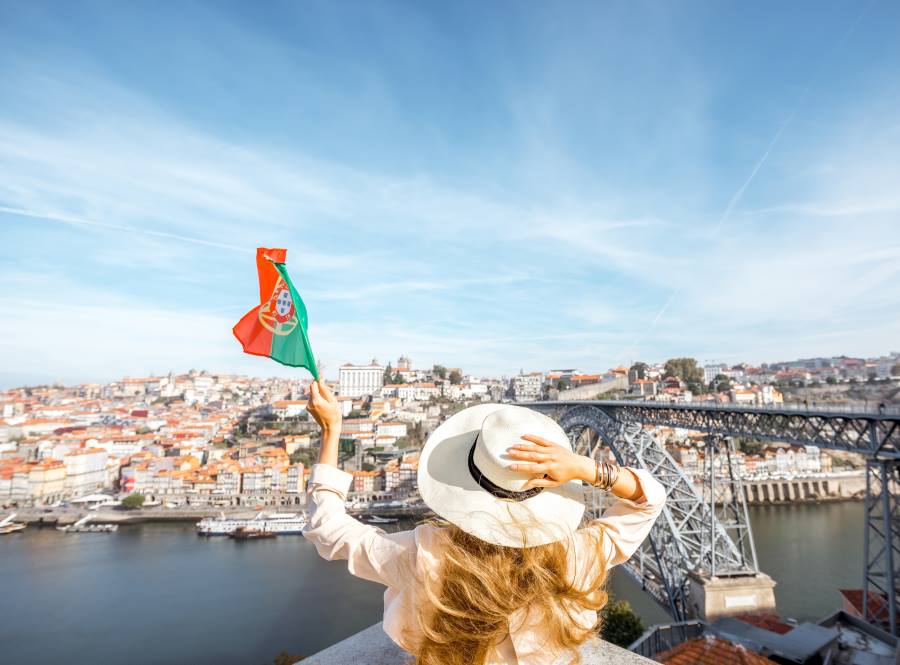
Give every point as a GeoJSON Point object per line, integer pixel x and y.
{"type": "Point", "coordinates": [253, 336]}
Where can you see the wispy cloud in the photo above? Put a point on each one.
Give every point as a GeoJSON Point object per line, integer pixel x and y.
{"type": "Point", "coordinates": [460, 198]}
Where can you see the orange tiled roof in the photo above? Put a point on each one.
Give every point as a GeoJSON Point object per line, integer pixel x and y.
{"type": "Point", "coordinates": [766, 620]}
{"type": "Point", "coordinates": [878, 604]}
{"type": "Point", "coordinates": [710, 650]}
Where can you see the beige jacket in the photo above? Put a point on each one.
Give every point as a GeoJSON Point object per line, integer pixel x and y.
{"type": "Point", "coordinates": [397, 559]}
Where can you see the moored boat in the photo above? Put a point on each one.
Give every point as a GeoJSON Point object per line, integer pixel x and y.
{"type": "Point", "coordinates": [277, 523]}
{"type": "Point", "coordinates": [83, 526]}
{"type": "Point", "coordinates": [8, 526]}
{"type": "Point", "coordinates": [375, 519]}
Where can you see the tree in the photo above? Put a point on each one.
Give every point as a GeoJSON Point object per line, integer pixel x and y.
{"type": "Point", "coordinates": [388, 375]}
{"type": "Point", "coordinates": [720, 384]}
{"type": "Point", "coordinates": [439, 371]}
{"type": "Point", "coordinates": [398, 378]}
{"type": "Point", "coordinates": [620, 624]}
{"type": "Point", "coordinates": [455, 377]}
{"type": "Point", "coordinates": [685, 369]}
{"type": "Point", "coordinates": [285, 658]}
{"type": "Point", "coordinates": [830, 380]}
{"type": "Point", "coordinates": [895, 370]}
{"type": "Point", "coordinates": [133, 501]}
{"type": "Point", "coordinates": [640, 369]}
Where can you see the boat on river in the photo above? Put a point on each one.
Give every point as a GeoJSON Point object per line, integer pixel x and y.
{"type": "Point", "coordinates": [280, 524]}
{"type": "Point", "coordinates": [375, 519]}
{"type": "Point", "coordinates": [83, 526]}
{"type": "Point", "coordinates": [8, 526]}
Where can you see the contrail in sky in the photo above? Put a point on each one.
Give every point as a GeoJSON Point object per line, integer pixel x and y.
{"type": "Point", "coordinates": [79, 221]}
{"type": "Point", "coordinates": [739, 194]}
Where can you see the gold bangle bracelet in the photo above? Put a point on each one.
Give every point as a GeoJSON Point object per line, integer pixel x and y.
{"type": "Point", "coordinates": [605, 475]}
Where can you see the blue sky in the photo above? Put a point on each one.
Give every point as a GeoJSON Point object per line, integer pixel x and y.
{"type": "Point", "coordinates": [488, 185]}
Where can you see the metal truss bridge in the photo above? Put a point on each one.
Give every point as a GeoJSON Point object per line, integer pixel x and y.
{"type": "Point", "coordinates": [706, 531]}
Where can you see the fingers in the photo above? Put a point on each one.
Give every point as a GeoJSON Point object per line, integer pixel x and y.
{"type": "Point", "coordinates": [534, 469]}
{"type": "Point", "coordinates": [539, 441]}
{"type": "Point", "coordinates": [541, 482]}
{"type": "Point", "coordinates": [533, 454]}
{"type": "Point", "coordinates": [324, 390]}
{"type": "Point", "coordinates": [529, 447]}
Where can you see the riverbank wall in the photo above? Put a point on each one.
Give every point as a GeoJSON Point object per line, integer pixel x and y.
{"type": "Point", "coordinates": [802, 490]}
{"type": "Point", "coordinates": [847, 487]}
{"type": "Point", "coordinates": [52, 517]}
{"type": "Point", "coordinates": [813, 489]}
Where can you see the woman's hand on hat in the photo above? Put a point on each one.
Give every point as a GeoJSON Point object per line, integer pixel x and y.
{"type": "Point", "coordinates": [549, 464]}
{"type": "Point", "coordinates": [324, 407]}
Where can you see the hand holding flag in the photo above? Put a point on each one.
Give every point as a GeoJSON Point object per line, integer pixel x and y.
{"type": "Point", "coordinates": [276, 328]}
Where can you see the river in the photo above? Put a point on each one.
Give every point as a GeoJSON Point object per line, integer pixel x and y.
{"type": "Point", "coordinates": [157, 594]}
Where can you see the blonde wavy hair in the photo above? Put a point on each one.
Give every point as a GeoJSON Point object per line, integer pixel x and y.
{"type": "Point", "coordinates": [481, 585]}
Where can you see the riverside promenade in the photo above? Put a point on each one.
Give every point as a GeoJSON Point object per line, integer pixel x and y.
{"type": "Point", "coordinates": [373, 647]}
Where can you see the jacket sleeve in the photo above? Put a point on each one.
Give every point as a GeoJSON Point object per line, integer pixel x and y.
{"type": "Point", "coordinates": [625, 524]}
{"type": "Point", "coordinates": [370, 552]}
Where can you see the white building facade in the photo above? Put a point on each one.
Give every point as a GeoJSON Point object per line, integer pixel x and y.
{"type": "Point", "coordinates": [527, 387]}
{"type": "Point", "coordinates": [360, 380]}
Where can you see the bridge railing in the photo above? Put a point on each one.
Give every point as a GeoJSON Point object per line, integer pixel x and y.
{"type": "Point", "coordinates": [810, 407]}
{"type": "Point", "coordinates": [658, 639]}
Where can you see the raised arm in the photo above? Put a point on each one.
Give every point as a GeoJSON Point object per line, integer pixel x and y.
{"type": "Point", "coordinates": [626, 523]}
{"type": "Point", "coordinates": [324, 407]}
{"type": "Point", "coordinates": [370, 552]}
{"type": "Point", "coordinates": [551, 465]}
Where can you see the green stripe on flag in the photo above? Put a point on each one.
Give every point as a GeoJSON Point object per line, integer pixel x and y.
{"type": "Point", "coordinates": [293, 349]}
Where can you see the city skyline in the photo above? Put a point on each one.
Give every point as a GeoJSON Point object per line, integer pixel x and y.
{"type": "Point", "coordinates": [487, 188]}
{"type": "Point", "coordinates": [330, 373]}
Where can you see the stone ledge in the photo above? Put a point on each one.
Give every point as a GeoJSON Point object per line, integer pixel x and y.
{"type": "Point", "coordinates": [372, 646]}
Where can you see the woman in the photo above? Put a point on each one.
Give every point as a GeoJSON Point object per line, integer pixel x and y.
{"type": "Point", "coordinates": [507, 576]}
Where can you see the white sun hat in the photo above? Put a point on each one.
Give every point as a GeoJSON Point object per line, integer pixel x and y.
{"type": "Point", "coordinates": [464, 477]}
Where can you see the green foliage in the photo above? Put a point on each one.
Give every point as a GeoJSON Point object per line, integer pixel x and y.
{"type": "Point", "coordinates": [133, 501]}
{"type": "Point", "coordinates": [368, 466]}
{"type": "Point", "coordinates": [285, 658]}
{"type": "Point", "coordinates": [388, 374]}
{"type": "Point", "coordinates": [439, 371]}
{"type": "Point", "coordinates": [305, 456]}
{"type": "Point", "coordinates": [830, 380]}
{"type": "Point", "coordinates": [720, 384]}
{"type": "Point", "coordinates": [696, 387]}
{"type": "Point", "coordinates": [640, 368]}
{"type": "Point", "coordinates": [685, 369]}
{"type": "Point", "coordinates": [620, 625]}
{"type": "Point", "coordinates": [398, 378]}
{"type": "Point", "coordinates": [455, 377]}
{"type": "Point", "coordinates": [750, 446]}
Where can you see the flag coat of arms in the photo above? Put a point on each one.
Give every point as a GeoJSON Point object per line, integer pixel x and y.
{"type": "Point", "coordinates": [276, 328]}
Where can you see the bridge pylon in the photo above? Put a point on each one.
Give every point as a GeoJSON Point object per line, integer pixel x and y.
{"type": "Point", "coordinates": [882, 544]}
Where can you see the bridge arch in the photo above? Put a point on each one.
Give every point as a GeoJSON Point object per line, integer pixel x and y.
{"type": "Point", "coordinates": [687, 538]}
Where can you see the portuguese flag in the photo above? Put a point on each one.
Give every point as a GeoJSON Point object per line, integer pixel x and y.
{"type": "Point", "coordinates": [276, 328]}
